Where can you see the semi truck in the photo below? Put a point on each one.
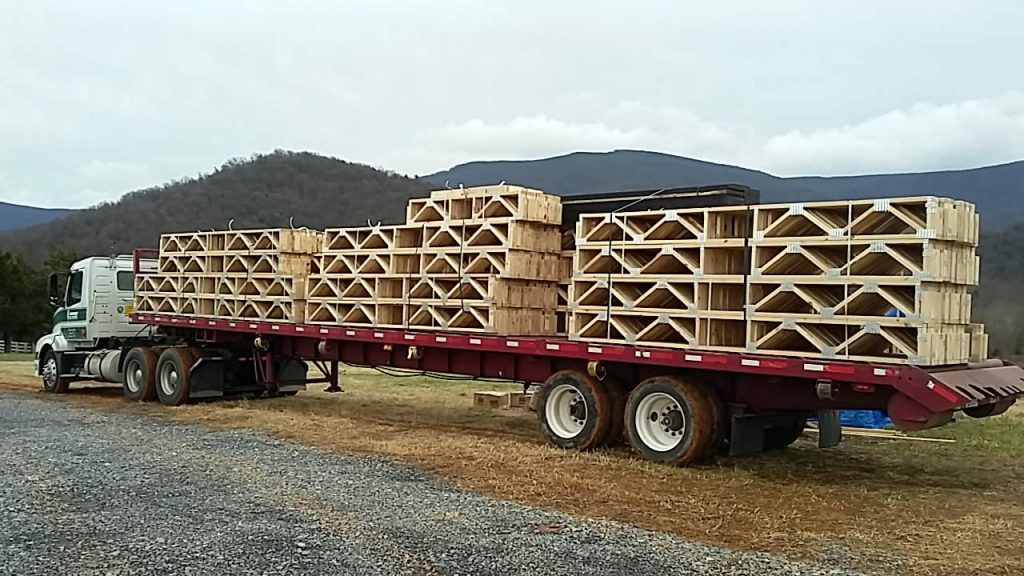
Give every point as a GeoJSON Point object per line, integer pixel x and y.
{"type": "Point", "coordinates": [672, 405]}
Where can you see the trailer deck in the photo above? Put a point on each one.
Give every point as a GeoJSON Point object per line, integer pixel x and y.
{"type": "Point", "coordinates": [914, 397]}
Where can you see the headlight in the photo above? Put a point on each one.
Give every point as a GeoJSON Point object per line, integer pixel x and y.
{"type": "Point", "coordinates": [73, 333]}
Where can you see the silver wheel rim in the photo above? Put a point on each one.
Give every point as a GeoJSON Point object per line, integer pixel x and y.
{"type": "Point", "coordinates": [50, 373]}
{"type": "Point", "coordinates": [133, 376]}
{"type": "Point", "coordinates": [168, 379]}
{"type": "Point", "coordinates": [566, 411]}
{"type": "Point", "coordinates": [660, 422]}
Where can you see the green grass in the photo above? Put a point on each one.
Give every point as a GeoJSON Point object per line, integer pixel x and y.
{"type": "Point", "coordinates": [15, 357]}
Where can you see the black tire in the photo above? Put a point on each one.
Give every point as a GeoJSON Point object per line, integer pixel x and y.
{"type": "Point", "coordinates": [139, 380]}
{"type": "Point", "coordinates": [574, 398]}
{"type": "Point", "coordinates": [51, 369]}
{"type": "Point", "coordinates": [721, 419]}
{"type": "Point", "coordinates": [782, 435]}
{"type": "Point", "coordinates": [617, 430]}
{"type": "Point", "coordinates": [173, 376]}
{"type": "Point", "coordinates": [676, 412]}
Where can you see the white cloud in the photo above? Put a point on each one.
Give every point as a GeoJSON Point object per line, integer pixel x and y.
{"type": "Point", "coordinates": [924, 136]}
{"type": "Point", "coordinates": [97, 99]}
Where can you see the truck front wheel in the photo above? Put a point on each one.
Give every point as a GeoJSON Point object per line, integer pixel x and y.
{"type": "Point", "coordinates": [140, 375]}
{"type": "Point", "coordinates": [173, 376]}
{"type": "Point", "coordinates": [51, 371]}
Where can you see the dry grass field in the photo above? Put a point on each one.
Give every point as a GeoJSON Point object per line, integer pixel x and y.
{"type": "Point", "coordinates": [890, 507]}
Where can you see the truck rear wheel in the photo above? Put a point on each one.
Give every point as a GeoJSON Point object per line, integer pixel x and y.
{"type": "Point", "coordinates": [51, 372]}
{"type": "Point", "coordinates": [173, 371]}
{"type": "Point", "coordinates": [140, 375]}
{"type": "Point", "coordinates": [575, 410]}
{"type": "Point", "coordinates": [671, 420]}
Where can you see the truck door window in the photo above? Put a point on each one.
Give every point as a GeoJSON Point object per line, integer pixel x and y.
{"type": "Point", "coordinates": [124, 281]}
{"type": "Point", "coordinates": [74, 295]}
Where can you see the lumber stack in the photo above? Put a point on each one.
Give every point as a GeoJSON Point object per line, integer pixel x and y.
{"type": "Point", "coordinates": [668, 277]}
{"type": "Point", "coordinates": [256, 274]}
{"type": "Point", "coordinates": [870, 279]}
{"type": "Point", "coordinates": [478, 259]}
{"type": "Point", "coordinates": [877, 280]}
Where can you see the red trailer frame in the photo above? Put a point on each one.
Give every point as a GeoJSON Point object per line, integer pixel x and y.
{"type": "Point", "coordinates": [752, 387]}
{"type": "Point", "coordinates": [914, 397]}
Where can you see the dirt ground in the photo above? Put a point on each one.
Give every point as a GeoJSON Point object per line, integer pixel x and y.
{"type": "Point", "coordinates": [890, 507]}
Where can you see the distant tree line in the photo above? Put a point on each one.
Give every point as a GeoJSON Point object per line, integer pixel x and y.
{"type": "Point", "coordinates": [263, 191]}
{"type": "Point", "coordinates": [25, 313]}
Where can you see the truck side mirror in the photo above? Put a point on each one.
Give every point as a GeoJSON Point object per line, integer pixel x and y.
{"type": "Point", "coordinates": [53, 289]}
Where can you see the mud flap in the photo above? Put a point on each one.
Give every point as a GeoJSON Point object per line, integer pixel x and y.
{"type": "Point", "coordinates": [207, 378]}
{"type": "Point", "coordinates": [830, 429]}
{"type": "Point", "coordinates": [292, 374]}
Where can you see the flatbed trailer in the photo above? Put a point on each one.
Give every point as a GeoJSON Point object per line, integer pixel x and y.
{"type": "Point", "coordinates": [757, 401]}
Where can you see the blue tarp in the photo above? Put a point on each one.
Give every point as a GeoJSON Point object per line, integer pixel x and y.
{"type": "Point", "coordinates": [864, 418]}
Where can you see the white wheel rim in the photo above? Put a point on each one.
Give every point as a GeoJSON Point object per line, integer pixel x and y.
{"type": "Point", "coordinates": [660, 422]}
{"type": "Point", "coordinates": [168, 379]}
{"type": "Point", "coordinates": [50, 372]}
{"type": "Point", "coordinates": [133, 376]}
{"type": "Point", "coordinates": [566, 411]}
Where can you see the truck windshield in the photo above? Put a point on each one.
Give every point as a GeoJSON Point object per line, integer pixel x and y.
{"type": "Point", "coordinates": [74, 295]}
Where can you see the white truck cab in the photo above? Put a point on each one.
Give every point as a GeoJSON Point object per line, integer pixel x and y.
{"type": "Point", "coordinates": [92, 320]}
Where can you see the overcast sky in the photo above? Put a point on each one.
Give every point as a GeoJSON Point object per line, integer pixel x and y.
{"type": "Point", "coordinates": [99, 98]}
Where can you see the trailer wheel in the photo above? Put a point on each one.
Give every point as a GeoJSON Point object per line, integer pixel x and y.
{"type": "Point", "coordinates": [575, 410]}
{"type": "Point", "coordinates": [53, 382]}
{"type": "Point", "coordinates": [140, 375]}
{"type": "Point", "coordinates": [173, 372]}
{"type": "Point", "coordinates": [781, 436]}
{"type": "Point", "coordinates": [671, 420]}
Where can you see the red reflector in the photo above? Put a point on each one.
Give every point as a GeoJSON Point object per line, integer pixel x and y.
{"type": "Point", "coordinates": [839, 369]}
{"type": "Point", "coordinates": [777, 364]}
{"type": "Point", "coordinates": [946, 393]}
{"type": "Point", "coordinates": [863, 388]}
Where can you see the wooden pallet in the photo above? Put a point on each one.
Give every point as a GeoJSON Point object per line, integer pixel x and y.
{"type": "Point", "coordinates": [930, 345]}
{"type": "Point", "coordinates": [696, 226]}
{"type": "Point", "coordinates": [925, 217]}
{"type": "Point", "coordinates": [858, 303]}
{"type": "Point", "coordinates": [485, 203]}
{"type": "Point", "coordinates": [905, 260]}
{"type": "Point", "coordinates": [270, 241]}
{"type": "Point", "coordinates": [717, 330]}
{"type": "Point", "coordinates": [490, 234]}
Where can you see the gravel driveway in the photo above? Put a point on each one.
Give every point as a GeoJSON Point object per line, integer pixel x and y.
{"type": "Point", "coordinates": [90, 492]}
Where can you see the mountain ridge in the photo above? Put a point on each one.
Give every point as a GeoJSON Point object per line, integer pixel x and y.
{"type": "Point", "coordinates": [998, 190]}
{"type": "Point", "coordinates": [15, 216]}
{"type": "Point", "coordinates": [266, 190]}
